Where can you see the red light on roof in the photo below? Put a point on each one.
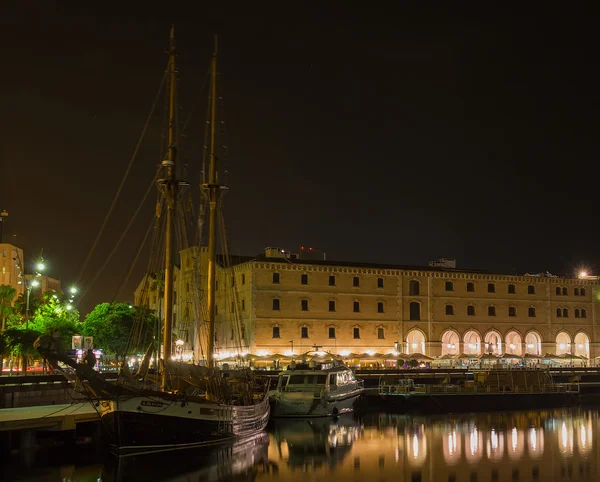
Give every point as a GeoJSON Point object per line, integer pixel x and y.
{"type": "Point", "coordinates": [310, 249]}
{"type": "Point", "coordinates": [301, 247]}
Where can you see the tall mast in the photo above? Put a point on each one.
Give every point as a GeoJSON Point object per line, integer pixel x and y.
{"type": "Point", "coordinates": [170, 185]}
{"type": "Point", "coordinates": [213, 200]}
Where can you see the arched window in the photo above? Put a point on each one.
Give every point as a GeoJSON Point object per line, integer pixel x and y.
{"type": "Point", "coordinates": [491, 311]}
{"type": "Point", "coordinates": [533, 344]}
{"type": "Point", "coordinates": [531, 312]}
{"type": "Point", "coordinates": [472, 343]}
{"type": "Point", "coordinates": [564, 291]}
{"type": "Point", "coordinates": [558, 290]}
{"type": "Point", "coordinates": [470, 287]}
{"type": "Point", "coordinates": [565, 312]}
{"type": "Point", "coordinates": [415, 310]}
{"type": "Point", "coordinates": [514, 343]}
{"type": "Point", "coordinates": [471, 310]}
{"type": "Point", "coordinates": [582, 345]}
{"type": "Point", "coordinates": [583, 313]}
{"type": "Point", "coordinates": [563, 343]}
{"type": "Point", "coordinates": [414, 288]}
{"type": "Point", "coordinates": [415, 342]}
{"type": "Point", "coordinates": [558, 312]}
{"type": "Point", "coordinates": [449, 310]}
{"type": "Point", "coordinates": [450, 343]}
{"type": "Point", "coordinates": [576, 291]}
{"type": "Point", "coordinates": [582, 292]}
{"type": "Point", "coordinates": [449, 286]}
{"type": "Point", "coordinates": [491, 288]}
{"type": "Point", "coordinates": [493, 343]}
{"type": "Point", "coordinates": [576, 312]}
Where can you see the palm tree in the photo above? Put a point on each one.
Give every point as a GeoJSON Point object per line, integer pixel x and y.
{"type": "Point", "coordinates": [7, 295]}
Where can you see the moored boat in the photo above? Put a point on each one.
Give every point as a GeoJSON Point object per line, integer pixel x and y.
{"type": "Point", "coordinates": [317, 388]}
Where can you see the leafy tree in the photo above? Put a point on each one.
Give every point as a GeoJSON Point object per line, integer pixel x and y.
{"type": "Point", "coordinates": [20, 343]}
{"type": "Point", "coordinates": [7, 295]}
{"type": "Point", "coordinates": [20, 305]}
{"type": "Point", "coordinates": [3, 350]}
{"type": "Point", "coordinates": [53, 315]}
{"type": "Point", "coordinates": [119, 326]}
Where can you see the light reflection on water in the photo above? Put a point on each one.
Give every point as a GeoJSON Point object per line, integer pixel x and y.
{"type": "Point", "coordinates": [512, 446]}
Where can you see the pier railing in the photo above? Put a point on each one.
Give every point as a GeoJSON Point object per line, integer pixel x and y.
{"type": "Point", "coordinates": [478, 389]}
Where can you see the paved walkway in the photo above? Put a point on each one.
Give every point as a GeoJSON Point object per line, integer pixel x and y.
{"type": "Point", "coordinates": [47, 417]}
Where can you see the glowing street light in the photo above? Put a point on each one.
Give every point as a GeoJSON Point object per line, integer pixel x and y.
{"type": "Point", "coordinates": [35, 283]}
{"type": "Point", "coordinates": [41, 266]}
{"type": "Point", "coordinates": [73, 290]}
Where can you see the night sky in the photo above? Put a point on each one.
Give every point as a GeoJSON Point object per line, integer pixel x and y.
{"type": "Point", "coordinates": [392, 134]}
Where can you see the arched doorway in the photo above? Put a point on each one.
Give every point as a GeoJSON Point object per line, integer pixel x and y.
{"type": "Point", "coordinates": [415, 342]}
{"type": "Point", "coordinates": [450, 343]}
{"type": "Point", "coordinates": [582, 345]}
{"type": "Point", "coordinates": [472, 341]}
{"type": "Point", "coordinates": [563, 343]}
{"type": "Point", "coordinates": [514, 343]}
{"type": "Point", "coordinates": [533, 343]}
{"type": "Point", "coordinates": [493, 343]}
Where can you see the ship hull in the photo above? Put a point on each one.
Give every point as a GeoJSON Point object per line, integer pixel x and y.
{"type": "Point", "coordinates": [152, 424]}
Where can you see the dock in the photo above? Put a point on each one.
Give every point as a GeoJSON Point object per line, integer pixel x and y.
{"type": "Point", "coordinates": [47, 417]}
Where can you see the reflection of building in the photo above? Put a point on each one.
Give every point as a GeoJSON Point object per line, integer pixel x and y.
{"type": "Point", "coordinates": [9, 267]}
{"type": "Point", "coordinates": [273, 302]}
{"type": "Point", "coordinates": [538, 445]}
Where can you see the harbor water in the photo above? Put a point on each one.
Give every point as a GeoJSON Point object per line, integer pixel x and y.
{"type": "Point", "coordinates": [542, 445]}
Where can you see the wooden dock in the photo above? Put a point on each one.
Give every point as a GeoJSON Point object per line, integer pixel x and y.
{"type": "Point", "coordinates": [47, 417]}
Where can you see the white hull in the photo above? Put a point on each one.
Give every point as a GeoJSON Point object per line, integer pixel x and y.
{"type": "Point", "coordinates": [305, 404]}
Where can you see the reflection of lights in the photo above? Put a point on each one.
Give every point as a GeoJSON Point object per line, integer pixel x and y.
{"type": "Point", "coordinates": [514, 441]}
{"type": "Point", "coordinates": [563, 437]}
{"type": "Point", "coordinates": [344, 352]}
{"type": "Point", "coordinates": [532, 439]}
{"type": "Point", "coordinates": [582, 437]}
{"type": "Point", "coordinates": [415, 446]}
{"type": "Point", "coordinates": [494, 438]}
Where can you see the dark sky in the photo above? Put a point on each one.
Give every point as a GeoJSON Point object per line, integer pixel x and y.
{"type": "Point", "coordinates": [393, 134]}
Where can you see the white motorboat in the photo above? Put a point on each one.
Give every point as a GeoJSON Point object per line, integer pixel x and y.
{"type": "Point", "coordinates": [319, 388]}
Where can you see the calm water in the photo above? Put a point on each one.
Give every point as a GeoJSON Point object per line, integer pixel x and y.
{"type": "Point", "coordinates": [555, 445]}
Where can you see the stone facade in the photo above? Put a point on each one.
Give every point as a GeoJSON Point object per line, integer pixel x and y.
{"type": "Point", "coordinates": [360, 308]}
{"type": "Point", "coordinates": [268, 305]}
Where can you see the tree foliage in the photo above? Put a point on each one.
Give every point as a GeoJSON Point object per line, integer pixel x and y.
{"type": "Point", "coordinates": [54, 315]}
{"type": "Point", "coordinates": [7, 294]}
{"type": "Point", "coordinates": [117, 326]}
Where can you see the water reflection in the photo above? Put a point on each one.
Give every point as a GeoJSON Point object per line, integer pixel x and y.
{"type": "Point", "coordinates": [531, 446]}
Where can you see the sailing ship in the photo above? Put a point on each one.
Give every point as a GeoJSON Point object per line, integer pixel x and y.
{"type": "Point", "coordinates": [194, 405]}
{"type": "Point", "coordinates": [321, 385]}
